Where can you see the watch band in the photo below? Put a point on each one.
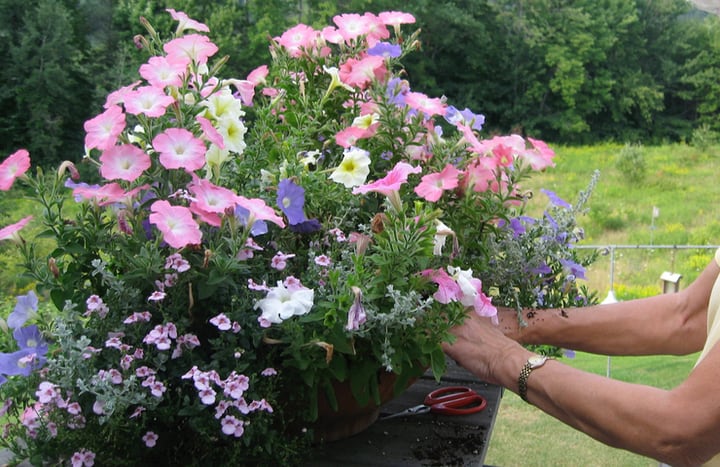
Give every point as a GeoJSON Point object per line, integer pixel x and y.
{"type": "Point", "coordinates": [536, 361]}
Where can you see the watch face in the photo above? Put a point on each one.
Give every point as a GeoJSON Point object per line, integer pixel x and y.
{"type": "Point", "coordinates": [537, 360]}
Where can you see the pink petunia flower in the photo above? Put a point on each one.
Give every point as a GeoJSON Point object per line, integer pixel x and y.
{"type": "Point", "coordinates": [185, 22]}
{"type": "Point", "coordinates": [161, 71]}
{"type": "Point", "coordinates": [297, 39]}
{"type": "Point", "coordinates": [117, 97]}
{"type": "Point", "coordinates": [211, 198]}
{"type": "Point", "coordinates": [210, 132]}
{"type": "Point", "coordinates": [102, 132]}
{"type": "Point", "coordinates": [396, 18]}
{"type": "Point", "coordinates": [429, 106]}
{"type": "Point", "coordinates": [148, 100]}
{"type": "Point", "coordinates": [360, 73]}
{"type": "Point", "coordinates": [180, 149]}
{"type": "Point", "coordinates": [351, 26]}
{"type": "Point", "coordinates": [391, 182]}
{"type": "Point", "coordinates": [10, 230]}
{"type": "Point", "coordinates": [431, 186]}
{"type": "Point", "coordinates": [190, 48]}
{"type": "Point", "coordinates": [448, 290]}
{"type": "Point", "coordinates": [124, 162]}
{"type": "Point", "coordinates": [259, 210]}
{"type": "Point", "coordinates": [176, 223]}
{"type": "Point", "coordinates": [13, 167]}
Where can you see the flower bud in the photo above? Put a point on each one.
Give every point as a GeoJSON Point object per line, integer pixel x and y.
{"type": "Point", "coordinates": [70, 167]}
{"type": "Point", "coordinates": [52, 265]}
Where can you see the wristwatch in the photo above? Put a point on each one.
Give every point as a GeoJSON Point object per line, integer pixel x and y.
{"type": "Point", "coordinates": [536, 361]}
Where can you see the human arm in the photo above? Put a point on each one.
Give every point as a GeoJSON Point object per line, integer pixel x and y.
{"type": "Point", "coordinates": [679, 427]}
{"type": "Point", "coordinates": [664, 324]}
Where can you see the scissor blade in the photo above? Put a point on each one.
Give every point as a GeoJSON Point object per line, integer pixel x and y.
{"type": "Point", "coordinates": [418, 409]}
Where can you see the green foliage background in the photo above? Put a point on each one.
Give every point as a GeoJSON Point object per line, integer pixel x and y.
{"type": "Point", "coordinates": [576, 71]}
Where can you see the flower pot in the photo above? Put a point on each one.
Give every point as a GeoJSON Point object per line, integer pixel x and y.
{"type": "Point", "coordinates": [351, 418]}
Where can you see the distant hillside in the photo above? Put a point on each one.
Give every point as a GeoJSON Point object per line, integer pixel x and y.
{"type": "Point", "coordinates": [711, 6]}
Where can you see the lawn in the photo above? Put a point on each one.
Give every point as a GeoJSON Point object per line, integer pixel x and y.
{"type": "Point", "coordinates": [525, 436]}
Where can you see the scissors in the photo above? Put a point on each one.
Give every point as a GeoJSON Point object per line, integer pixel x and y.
{"type": "Point", "coordinates": [450, 400]}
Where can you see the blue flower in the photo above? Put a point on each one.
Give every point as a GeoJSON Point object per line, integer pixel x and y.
{"type": "Point", "coordinates": [556, 200]}
{"type": "Point", "coordinates": [29, 337]}
{"type": "Point", "coordinates": [385, 49]}
{"type": "Point", "coordinates": [21, 362]}
{"type": "Point", "coordinates": [396, 91]}
{"type": "Point", "coordinates": [291, 200]}
{"type": "Point", "coordinates": [575, 269]}
{"type": "Point", "coordinates": [308, 226]}
{"type": "Point", "coordinates": [465, 116]}
{"type": "Point", "coordinates": [25, 308]}
{"type": "Point", "coordinates": [259, 227]}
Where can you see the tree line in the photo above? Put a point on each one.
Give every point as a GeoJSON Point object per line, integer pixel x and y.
{"type": "Point", "coordinates": [567, 71]}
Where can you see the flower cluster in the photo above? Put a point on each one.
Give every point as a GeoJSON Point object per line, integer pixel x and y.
{"type": "Point", "coordinates": [246, 243]}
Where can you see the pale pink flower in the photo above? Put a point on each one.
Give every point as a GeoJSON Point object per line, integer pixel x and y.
{"type": "Point", "coordinates": [162, 71]}
{"type": "Point", "coordinates": [83, 458]}
{"type": "Point", "coordinates": [232, 426]}
{"type": "Point", "coordinates": [211, 198]}
{"type": "Point", "coordinates": [259, 210]}
{"type": "Point", "coordinates": [118, 97]}
{"type": "Point", "coordinates": [351, 26]}
{"type": "Point", "coordinates": [269, 372]}
{"type": "Point", "coordinates": [391, 182]}
{"type": "Point", "coordinates": [147, 100]}
{"type": "Point", "coordinates": [150, 439]}
{"type": "Point", "coordinates": [297, 39]}
{"type": "Point", "coordinates": [46, 392]}
{"type": "Point", "coordinates": [429, 106]}
{"type": "Point", "coordinates": [448, 290]}
{"type": "Point", "coordinates": [331, 34]}
{"type": "Point", "coordinates": [221, 321]}
{"type": "Point", "coordinates": [180, 149]}
{"type": "Point", "coordinates": [185, 22]}
{"type": "Point", "coordinates": [106, 194]}
{"type": "Point", "coordinates": [541, 157]}
{"type": "Point", "coordinates": [376, 30]}
{"type": "Point", "coordinates": [102, 131]}
{"type": "Point", "coordinates": [396, 18]}
{"type": "Point", "coordinates": [190, 48]}
{"type": "Point", "coordinates": [210, 132]}
{"type": "Point", "coordinates": [124, 162]}
{"type": "Point", "coordinates": [279, 261]}
{"type": "Point", "coordinates": [431, 186]}
{"type": "Point", "coordinates": [348, 137]}
{"type": "Point", "coordinates": [176, 223]}
{"type": "Point", "coordinates": [360, 73]}
{"type": "Point", "coordinates": [10, 230]}
{"type": "Point", "coordinates": [14, 166]}
{"type": "Point", "coordinates": [323, 260]}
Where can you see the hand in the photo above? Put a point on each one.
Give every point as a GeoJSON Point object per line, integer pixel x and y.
{"type": "Point", "coordinates": [480, 347]}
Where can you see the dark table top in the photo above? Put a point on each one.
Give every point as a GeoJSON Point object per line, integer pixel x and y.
{"type": "Point", "coordinates": [424, 439]}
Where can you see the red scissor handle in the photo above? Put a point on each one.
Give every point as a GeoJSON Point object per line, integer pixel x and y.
{"type": "Point", "coordinates": [455, 400]}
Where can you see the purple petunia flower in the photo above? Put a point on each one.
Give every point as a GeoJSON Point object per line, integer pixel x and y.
{"type": "Point", "coordinates": [21, 362]}
{"type": "Point", "coordinates": [397, 89]}
{"type": "Point", "coordinates": [291, 200]}
{"type": "Point", "coordinates": [259, 227]}
{"type": "Point", "coordinates": [465, 116]}
{"type": "Point", "coordinates": [26, 307]}
{"type": "Point", "coordinates": [385, 49]}
{"type": "Point", "coordinates": [556, 200]}
{"type": "Point", "coordinates": [308, 226]}
{"type": "Point", "coordinates": [575, 269]}
{"type": "Point", "coordinates": [29, 337]}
